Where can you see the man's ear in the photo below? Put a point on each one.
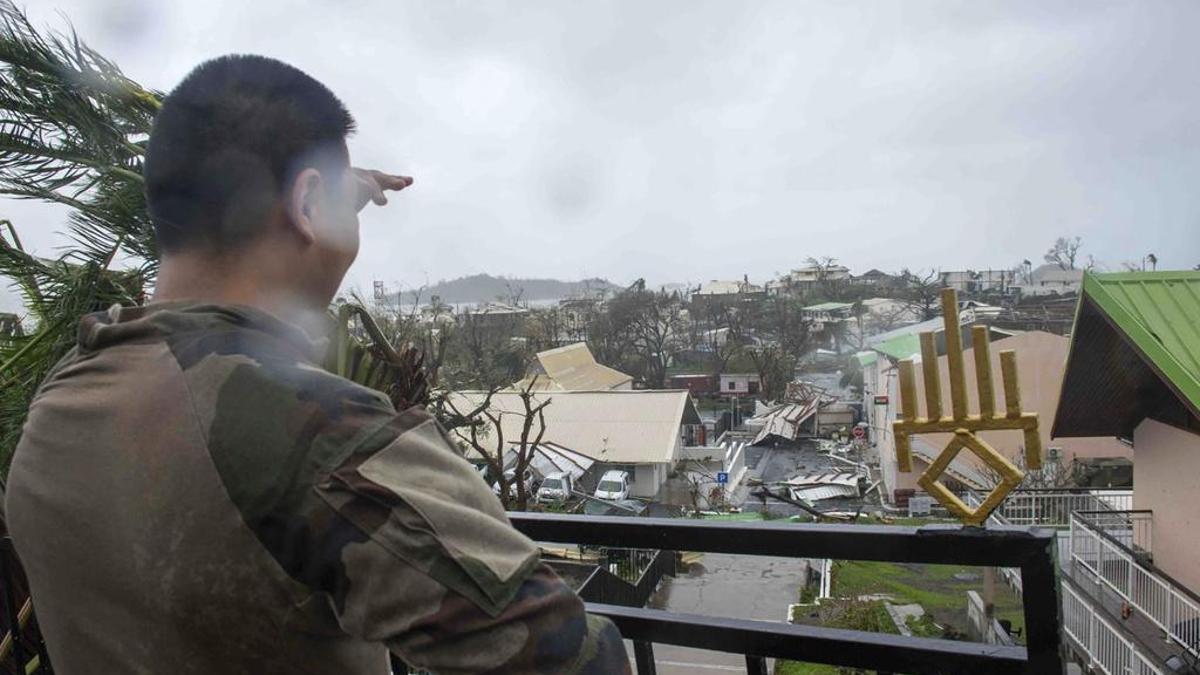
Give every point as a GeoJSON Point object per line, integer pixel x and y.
{"type": "Point", "coordinates": [302, 204]}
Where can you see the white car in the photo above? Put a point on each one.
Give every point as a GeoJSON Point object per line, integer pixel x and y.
{"type": "Point", "coordinates": [511, 475]}
{"type": "Point", "coordinates": [557, 487]}
{"type": "Point", "coordinates": [613, 486]}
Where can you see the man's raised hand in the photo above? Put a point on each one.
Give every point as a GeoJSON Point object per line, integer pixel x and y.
{"type": "Point", "coordinates": [372, 185]}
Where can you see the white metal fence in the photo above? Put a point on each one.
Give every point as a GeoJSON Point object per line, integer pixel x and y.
{"type": "Point", "coordinates": [1053, 508]}
{"type": "Point", "coordinates": [1112, 563]}
{"type": "Point", "coordinates": [1106, 648]}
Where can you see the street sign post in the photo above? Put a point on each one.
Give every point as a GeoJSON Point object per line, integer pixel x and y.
{"type": "Point", "coordinates": [722, 478]}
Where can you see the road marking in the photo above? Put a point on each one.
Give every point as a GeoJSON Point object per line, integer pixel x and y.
{"type": "Point", "coordinates": [705, 666]}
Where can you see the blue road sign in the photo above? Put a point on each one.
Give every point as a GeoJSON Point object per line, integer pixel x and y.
{"type": "Point", "coordinates": [722, 478]}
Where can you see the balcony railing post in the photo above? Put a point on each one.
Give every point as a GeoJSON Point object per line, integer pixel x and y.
{"type": "Point", "coordinates": [1042, 610]}
{"type": "Point", "coordinates": [756, 665]}
{"type": "Point", "coordinates": [1129, 580]}
{"type": "Point", "coordinates": [643, 655]}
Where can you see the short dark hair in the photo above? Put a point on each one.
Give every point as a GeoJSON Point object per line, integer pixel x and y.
{"type": "Point", "coordinates": [228, 141]}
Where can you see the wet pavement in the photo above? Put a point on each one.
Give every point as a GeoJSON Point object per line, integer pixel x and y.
{"type": "Point", "coordinates": [733, 586]}
{"type": "Point", "coordinates": [740, 587]}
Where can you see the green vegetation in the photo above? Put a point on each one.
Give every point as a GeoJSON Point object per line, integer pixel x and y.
{"type": "Point", "coordinates": [797, 668]}
{"type": "Point", "coordinates": [934, 587]}
{"type": "Point", "coordinates": [869, 616]}
{"type": "Point", "coordinates": [924, 626]}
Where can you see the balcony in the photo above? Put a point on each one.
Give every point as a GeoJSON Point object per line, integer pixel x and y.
{"type": "Point", "coordinates": [1030, 551]}
{"type": "Point", "coordinates": [1126, 615]}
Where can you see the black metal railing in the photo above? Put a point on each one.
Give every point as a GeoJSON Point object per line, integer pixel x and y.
{"type": "Point", "coordinates": [22, 649]}
{"type": "Point", "coordinates": [1029, 550]}
{"type": "Point", "coordinates": [603, 586]}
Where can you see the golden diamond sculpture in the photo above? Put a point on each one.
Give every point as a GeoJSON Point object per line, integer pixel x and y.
{"type": "Point", "coordinates": [960, 422]}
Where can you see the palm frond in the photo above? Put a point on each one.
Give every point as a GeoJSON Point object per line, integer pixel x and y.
{"type": "Point", "coordinates": [72, 131]}
{"type": "Point", "coordinates": [372, 361]}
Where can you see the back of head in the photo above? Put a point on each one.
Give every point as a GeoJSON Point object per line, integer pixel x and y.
{"type": "Point", "coordinates": [228, 142]}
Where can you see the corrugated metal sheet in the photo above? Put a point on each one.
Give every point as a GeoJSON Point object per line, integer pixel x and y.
{"type": "Point", "coordinates": [573, 368]}
{"type": "Point", "coordinates": [830, 485]}
{"type": "Point", "coordinates": [1160, 313]}
{"type": "Point", "coordinates": [551, 458]}
{"type": "Point", "coordinates": [1135, 352]}
{"type": "Point", "coordinates": [785, 420]}
{"type": "Point", "coordinates": [900, 347]}
{"type": "Point", "coordinates": [815, 493]}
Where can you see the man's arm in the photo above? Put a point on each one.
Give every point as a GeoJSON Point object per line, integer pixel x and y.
{"type": "Point", "coordinates": [427, 563]}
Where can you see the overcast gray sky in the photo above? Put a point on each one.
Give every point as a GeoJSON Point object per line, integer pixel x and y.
{"type": "Point", "coordinates": [688, 140]}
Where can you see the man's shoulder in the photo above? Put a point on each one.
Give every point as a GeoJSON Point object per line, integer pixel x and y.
{"type": "Point", "coordinates": [234, 372]}
{"type": "Point", "coordinates": [275, 423]}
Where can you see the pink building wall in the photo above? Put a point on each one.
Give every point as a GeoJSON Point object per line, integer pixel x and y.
{"type": "Point", "coordinates": [1166, 480]}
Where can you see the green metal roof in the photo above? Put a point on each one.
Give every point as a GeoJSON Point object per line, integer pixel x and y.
{"type": "Point", "coordinates": [866, 358]}
{"type": "Point", "coordinates": [900, 347]}
{"type": "Point", "coordinates": [1160, 313]}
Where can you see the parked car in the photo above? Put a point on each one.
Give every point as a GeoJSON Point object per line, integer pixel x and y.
{"type": "Point", "coordinates": [613, 486]}
{"type": "Point", "coordinates": [557, 487]}
{"type": "Point", "coordinates": [511, 474]}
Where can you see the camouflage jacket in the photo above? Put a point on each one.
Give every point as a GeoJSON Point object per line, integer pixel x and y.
{"type": "Point", "coordinates": [191, 494]}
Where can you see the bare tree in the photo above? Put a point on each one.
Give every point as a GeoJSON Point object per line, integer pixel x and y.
{"type": "Point", "coordinates": [512, 294]}
{"type": "Point", "coordinates": [922, 291]}
{"type": "Point", "coordinates": [482, 429]}
{"type": "Point", "coordinates": [1064, 252]}
{"type": "Point", "coordinates": [824, 267]}
{"type": "Point", "coordinates": [717, 328]}
{"type": "Point", "coordinates": [547, 328]}
{"type": "Point", "coordinates": [649, 330]}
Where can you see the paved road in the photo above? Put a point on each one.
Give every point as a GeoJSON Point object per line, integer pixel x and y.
{"type": "Point", "coordinates": [740, 587]}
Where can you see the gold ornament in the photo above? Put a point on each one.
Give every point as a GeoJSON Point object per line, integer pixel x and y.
{"type": "Point", "coordinates": [960, 422]}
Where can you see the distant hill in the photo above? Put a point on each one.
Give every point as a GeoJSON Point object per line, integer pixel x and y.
{"type": "Point", "coordinates": [481, 288]}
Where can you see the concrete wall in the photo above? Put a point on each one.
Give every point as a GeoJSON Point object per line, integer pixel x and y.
{"type": "Point", "coordinates": [647, 479]}
{"type": "Point", "coordinates": [1166, 479]}
{"type": "Point", "coordinates": [879, 418]}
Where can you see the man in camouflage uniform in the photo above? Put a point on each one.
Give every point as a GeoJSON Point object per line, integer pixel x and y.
{"type": "Point", "coordinates": [192, 494]}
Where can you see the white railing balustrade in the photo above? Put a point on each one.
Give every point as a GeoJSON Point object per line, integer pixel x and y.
{"type": "Point", "coordinates": [1109, 551]}
{"type": "Point", "coordinates": [1106, 647]}
{"type": "Point", "coordinates": [1053, 508]}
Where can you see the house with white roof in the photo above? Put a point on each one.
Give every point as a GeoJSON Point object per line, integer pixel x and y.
{"type": "Point", "coordinates": [642, 432]}
{"type": "Point", "coordinates": [1051, 279]}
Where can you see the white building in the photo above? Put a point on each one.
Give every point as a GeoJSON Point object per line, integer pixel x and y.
{"type": "Point", "coordinates": [740, 383]}
{"type": "Point", "coordinates": [642, 432]}
{"type": "Point", "coordinates": [806, 278]}
{"type": "Point", "coordinates": [1050, 279]}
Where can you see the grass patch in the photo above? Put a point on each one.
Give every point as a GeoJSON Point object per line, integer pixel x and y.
{"type": "Point", "coordinates": [850, 614]}
{"type": "Point", "coordinates": [797, 668]}
{"type": "Point", "coordinates": [934, 587]}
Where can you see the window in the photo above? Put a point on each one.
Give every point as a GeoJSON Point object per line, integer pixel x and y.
{"type": "Point", "coordinates": [732, 385]}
